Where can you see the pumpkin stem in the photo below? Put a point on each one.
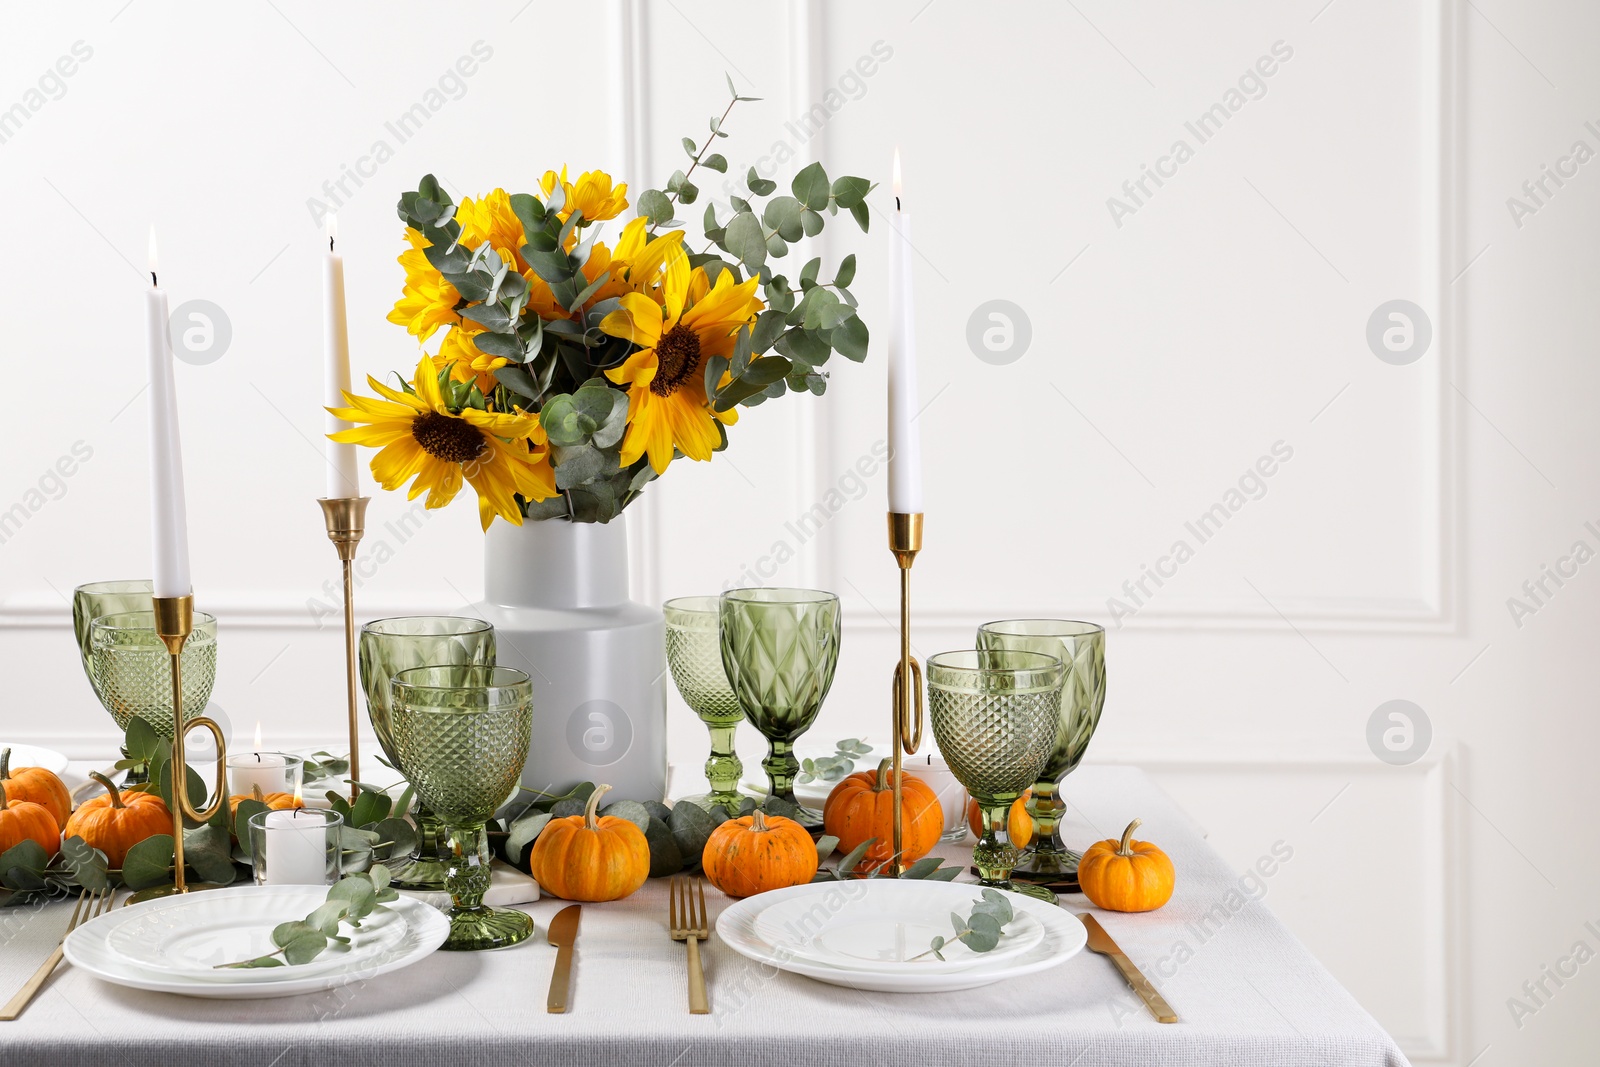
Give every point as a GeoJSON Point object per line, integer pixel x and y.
{"type": "Point", "coordinates": [758, 822]}
{"type": "Point", "coordinates": [116, 794]}
{"type": "Point", "coordinates": [883, 773]}
{"type": "Point", "coordinates": [255, 792]}
{"type": "Point", "coordinates": [4, 803]}
{"type": "Point", "coordinates": [5, 762]}
{"type": "Point", "coordinates": [591, 812]}
{"type": "Point", "coordinates": [1126, 848]}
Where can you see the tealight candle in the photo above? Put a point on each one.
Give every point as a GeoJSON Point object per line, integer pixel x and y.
{"type": "Point", "coordinates": [292, 847]}
{"type": "Point", "coordinates": [266, 771]}
{"type": "Point", "coordinates": [952, 795]}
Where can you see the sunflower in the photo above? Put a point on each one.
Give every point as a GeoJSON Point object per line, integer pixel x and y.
{"type": "Point", "coordinates": [467, 362]}
{"type": "Point", "coordinates": [667, 404]}
{"type": "Point", "coordinates": [491, 219]}
{"type": "Point", "coordinates": [592, 194]}
{"type": "Point", "coordinates": [428, 301]}
{"type": "Point", "coordinates": [420, 438]}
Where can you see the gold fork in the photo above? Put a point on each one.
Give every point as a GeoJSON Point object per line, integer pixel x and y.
{"type": "Point", "coordinates": [90, 904]}
{"type": "Point", "coordinates": [687, 919]}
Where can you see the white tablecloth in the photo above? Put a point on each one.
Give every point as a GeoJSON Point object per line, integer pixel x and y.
{"type": "Point", "coordinates": [1248, 994]}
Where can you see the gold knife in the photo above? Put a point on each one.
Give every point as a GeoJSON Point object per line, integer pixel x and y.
{"type": "Point", "coordinates": [563, 934]}
{"type": "Point", "coordinates": [1100, 941]}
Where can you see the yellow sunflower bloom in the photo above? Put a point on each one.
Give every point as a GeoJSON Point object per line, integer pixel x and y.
{"type": "Point", "coordinates": [593, 194]}
{"type": "Point", "coordinates": [491, 219]}
{"type": "Point", "coordinates": [421, 441]}
{"type": "Point", "coordinates": [466, 362]}
{"type": "Point", "coordinates": [667, 403]}
{"type": "Point", "coordinates": [427, 301]}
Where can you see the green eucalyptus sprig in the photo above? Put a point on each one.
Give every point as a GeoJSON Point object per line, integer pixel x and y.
{"type": "Point", "coordinates": [928, 868]}
{"type": "Point", "coordinates": [350, 899]}
{"type": "Point", "coordinates": [980, 931]}
{"type": "Point", "coordinates": [834, 767]}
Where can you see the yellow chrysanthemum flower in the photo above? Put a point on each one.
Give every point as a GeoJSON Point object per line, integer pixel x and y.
{"type": "Point", "coordinates": [421, 441]}
{"type": "Point", "coordinates": [667, 403]}
{"type": "Point", "coordinates": [466, 361]}
{"type": "Point", "coordinates": [427, 301]}
{"type": "Point", "coordinates": [491, 219]}
{"type": "Point", "coordinates": [592, 193]}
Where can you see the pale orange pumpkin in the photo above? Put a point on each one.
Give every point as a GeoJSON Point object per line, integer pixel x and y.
{"type": "Point", "coordinates": [273, 801]}
{"type": "Point", "coordinates": [590, 857]}
{"type": "Point", "coordinates": [1126, 875]}
{"type": "Point", "coordinates": [861, 807]}
{"type": "Point", "coordinates": [757, 853]}
{"type": "Point", "coordinates": [116, 822]}
{"type": "Point", "coordinates": [37, 785]}
{"type": "Point", "coordinates": [1019, 824]}
{"type": "Point", "coordinates": [23, 820]}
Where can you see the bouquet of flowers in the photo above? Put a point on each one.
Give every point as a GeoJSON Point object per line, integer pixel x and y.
{"type": "Point", "coordinates": [569, 372]}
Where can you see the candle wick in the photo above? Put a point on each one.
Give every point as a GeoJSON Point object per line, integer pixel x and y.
{"type": "Point", "coordinates": [153, 283]}
{"type": "Point", "coordinates": [330, 242]}
{"type": "Point", "coordinates": [897, 203]}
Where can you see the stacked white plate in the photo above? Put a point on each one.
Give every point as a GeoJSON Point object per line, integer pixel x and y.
{"type": "Point", "coordinates": [874, 935]}
{"type": "Point", "coordinates": [174, 944]}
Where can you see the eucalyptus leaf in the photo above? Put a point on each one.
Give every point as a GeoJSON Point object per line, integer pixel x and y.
{"type": "Point", "coordinates": [665, 855]}
{"type": "Point", "coordinates": [86, 863]}
{"type": "Point", "coordinates": [691, 826]}
{"type": "Point", "coordinates": [148, 863]}
{"type": "Point", "coordinates": [522, 833]}
{"type": "Point", "coordinates": [140, 740]}
{"type": "Point", "coordinates": [747, 240]}
{"type": "Point", "coordinates": [631, 810]}
{"type": "Point", "coordinates": [811, 187]}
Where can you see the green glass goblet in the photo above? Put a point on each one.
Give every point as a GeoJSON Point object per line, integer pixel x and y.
{"type": "Point", "coordinates": [387, 647]}
{"type": "Point", "coordinates": [132, 669]}
{"type": "Point", "coordinates": [694, 652]}
{"type": "Point", "coordinates": [779, 649]}
{"type": "Point", "coordinates": [994, 715]}
{"type": "Point", "coordinates": [93, 600]}
{"type": "Point", "coordinates": [1081, 648]}
{"type": "Point", "coordinates": [460, 737]}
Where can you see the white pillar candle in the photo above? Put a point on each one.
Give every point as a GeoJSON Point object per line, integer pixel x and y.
{"type": "Point", "coordinates": [905, 441]}
{"type": "Point", "coordinates": [936, 774]}
{"type": "Point", "coordinates": [169, 525]}
{"type": "Point", "coordinates": [343, 477]}
{"type": "Point", "coordinates": [296, 848]}
{"type": "Point", "coordinates": [264, 769]}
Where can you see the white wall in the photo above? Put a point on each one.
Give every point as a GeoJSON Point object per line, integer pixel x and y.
{"type": "Point", "coordinates": [1225, 314]}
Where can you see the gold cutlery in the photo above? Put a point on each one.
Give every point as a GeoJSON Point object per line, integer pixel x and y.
{"type": "Point", "coordinates": [687, 919]}
{"type": "Point", "coordinates": [563, 934]}
{"type": "Point", "coordinates": [90, 904]}
{"type": "Point", "coordinates": [1100, 941]}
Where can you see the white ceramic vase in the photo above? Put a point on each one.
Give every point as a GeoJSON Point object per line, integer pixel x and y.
{"type": "Point", "coordinates": [557, 594]}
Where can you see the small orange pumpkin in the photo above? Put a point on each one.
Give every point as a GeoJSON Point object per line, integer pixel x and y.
{"type": "Point", "coordinates": [1019, 824]}
{"type": "Point", "coordinates": [757, 853]}
{"type": "Point", "coordinates": [273, 801]}
{"type": "Point", "coordinates": [37, 785]}
{"type": "Point", "coordinates": [23, 820]}
{"type": "Point", "coordinates": [116, 822]}
{"type": "Point", "coordinates": [590, 857]}
{"type": "Point", "coordinates": [1126, 875]}
{"type": "Point", "coordinates": [861, 807]}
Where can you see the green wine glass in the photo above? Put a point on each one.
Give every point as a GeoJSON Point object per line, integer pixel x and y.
{"type": "Point", "coordinates": [460, 737]}
{"type": "Point", "coordinates": [779, 649]}
{"type": "Point", "coordinates": [694, 652]}
{"type": "Point", "coordinates": [1081, 648]}
{"type": "Point", "coordinates": [994, 715]}
{"type": "Point", "coordinates": [132, 670]}
{"type": "Point", "coordinates": [387, 647]}
{"type": "Point", "coordinates": [89, 602]}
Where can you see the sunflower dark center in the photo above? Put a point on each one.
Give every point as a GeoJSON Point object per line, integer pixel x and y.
{"type": "Point", "coordinates": [677, 357]}
{"type": "Point", "coordinates": [452, 440]}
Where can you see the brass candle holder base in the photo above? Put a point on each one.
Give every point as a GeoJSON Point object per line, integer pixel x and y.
{"type": "Point", "coordinates": [905, 541]}
{"type": "Point", "coordinates": [174, 617]}
{"type": "Point", "coordinates": [346, 521]}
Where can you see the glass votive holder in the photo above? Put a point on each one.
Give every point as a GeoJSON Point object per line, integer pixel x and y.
{"type": "Point", "coordinates": [952, 794]}
{"type": "Point", "coordinates": [297, 846]}
{"type": "Point", "coordinates": [271, 772]}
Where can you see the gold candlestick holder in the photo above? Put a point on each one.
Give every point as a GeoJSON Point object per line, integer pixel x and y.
{"type": "Point", "coordinates": [174, 617]}
{"type": "Point", "coordinates": [905, 541]}
{"type": "Point", "coordinates": [346, 519]}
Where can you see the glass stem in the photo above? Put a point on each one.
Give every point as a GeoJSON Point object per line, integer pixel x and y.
{"type": "Point", "coordinates": [781, 767]}
{"type": "Point", "coordinates": [995, 857]}
{"type": "Point", "coordinates": [1045, 808]}
{"type": "Point", "coordinates": [723, 768]}
{"type": "Point", "coordinates": [467, 877]}
{"type": "Point", "coordinates": [432, 837]}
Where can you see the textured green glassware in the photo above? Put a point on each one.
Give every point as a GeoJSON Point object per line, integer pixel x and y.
{"type": "Point", "coordinates": [779, 649]}
{"type": "Point", "coordinates": [694, 652]}
{"type": "Point", "coordinates": [460, 736]}
{"type": "Point", "coordinates": [994, 714]}
{"type": "Point", "coordinates": [1081, 648]}
{"type": "Point", "coordinates": [387, 647]}
{"type": "Point", "coordinates": [132, 672]}
{"type": "Point", "coordinates": [95, 599]}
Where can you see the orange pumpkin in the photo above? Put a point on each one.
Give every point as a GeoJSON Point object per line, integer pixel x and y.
{"type": "Point", "coordinates": [1126, 875]}
{"type": "Point", "coordinates": [23, 820]}
{"type": "Point", "coordinates": [757, 853]}
{"type": "Point", "coordinates": [116, 822]}
{"type": "Point", "coordinates": [273, 801]}
{"type": "Point", "coordinates": [590, 857]}
{"type": "Point", "coordinates": [38, 786]}
{"type": "Point", "coordinates": [1019, 824]}
{"type": "Point", "coordinates": [861, 807]}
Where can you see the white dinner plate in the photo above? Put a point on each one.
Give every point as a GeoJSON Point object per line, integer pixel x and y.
{"type": "Point", "coordinates": [1064, 936]}
{"type": "Point", "coordinates": [874, 931]}
{"type": "Point", "coordinates": [223, 925]}
{"type": "Point", "coordinates": [34, 756]}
